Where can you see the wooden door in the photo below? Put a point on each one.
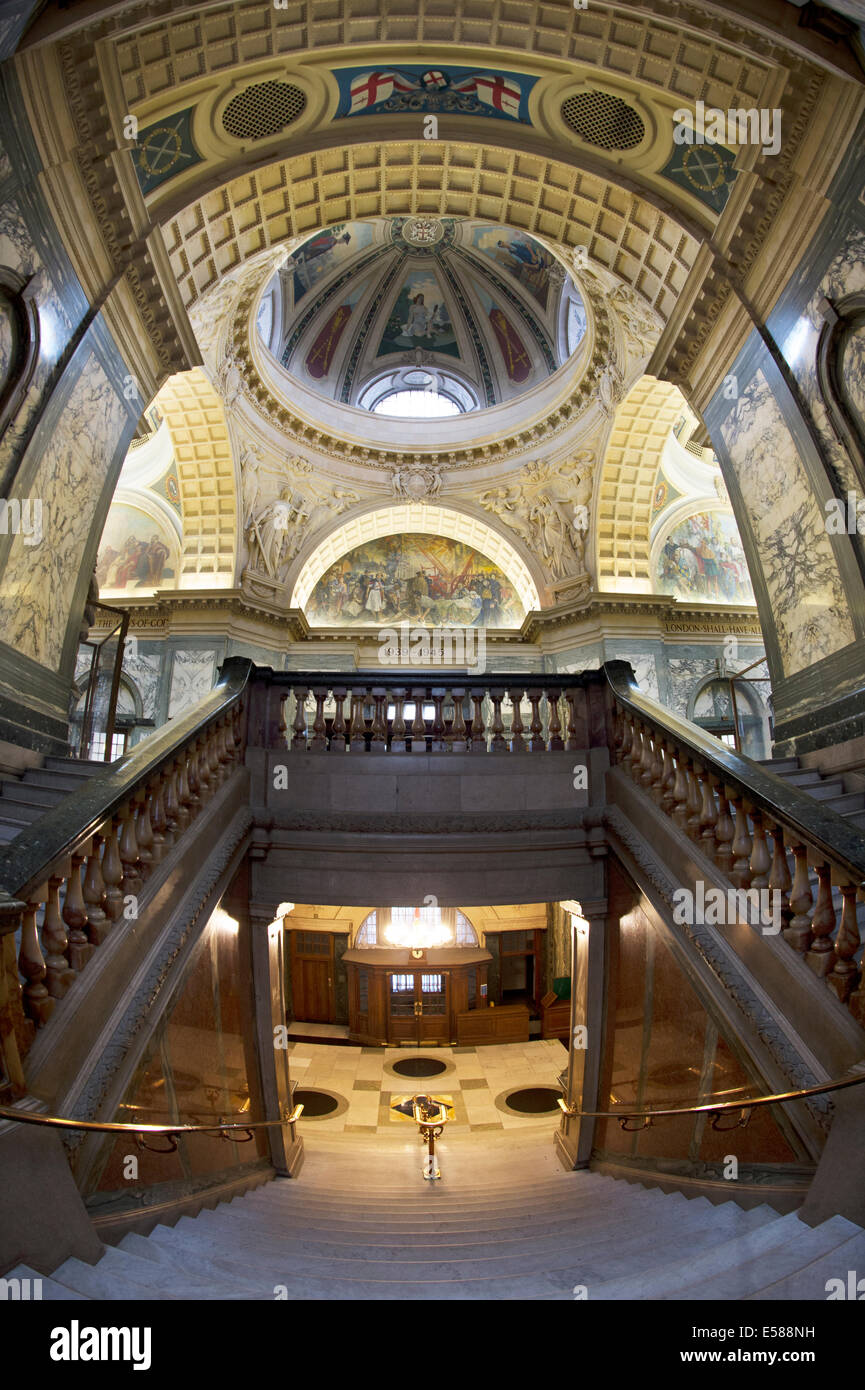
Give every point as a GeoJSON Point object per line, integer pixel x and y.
{"type": "Point", "coordinates": [434, 1015]}
{"type": "Point", "coordinates": [403, 1006]}
{"type": "Point", "coordinates": [312, 976]}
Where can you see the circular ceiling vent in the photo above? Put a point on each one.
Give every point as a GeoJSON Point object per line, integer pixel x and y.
{"type": "Point", "coordinates": [604, 121]}
{"type": "Point", "coordinates": [263, 109]}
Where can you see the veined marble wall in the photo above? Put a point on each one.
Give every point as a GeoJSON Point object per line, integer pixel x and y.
{"type": "Point", "coordinates": [67, 481]}
{"type": "Point", "coordinates": [808, 602]}
{"type": "Point", "coordinates": [782, 463]}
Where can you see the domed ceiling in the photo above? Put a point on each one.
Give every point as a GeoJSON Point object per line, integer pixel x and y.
{"type": "Point", "coordinates": [465, 311]}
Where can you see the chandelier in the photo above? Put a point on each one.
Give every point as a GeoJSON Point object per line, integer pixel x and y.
{"type": "Point", "coordinates": [417, 927]}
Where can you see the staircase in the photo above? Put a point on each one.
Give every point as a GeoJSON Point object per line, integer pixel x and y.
{"type": "Point", "coordinates": [828, 790]}
{"type": "Point", "coordinates": [506, 1222]}
{"type": "Point", "coordinates": [23, 800]}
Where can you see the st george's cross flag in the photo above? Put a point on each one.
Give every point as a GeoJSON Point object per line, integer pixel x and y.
{"type": "Point", "coordinates": [502, 93]}
{"type": "Point", "coordinates": [369, 88]}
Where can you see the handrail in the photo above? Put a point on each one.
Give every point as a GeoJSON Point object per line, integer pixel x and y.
{"type": "Point", "coordinates": [26, 1117]}
{"type": "Point", "coordinates": [824, 829]}
{"type": "Point", "coordinates": [709, 1108]}
{"type": "Point", "coordinates": [25, 863]}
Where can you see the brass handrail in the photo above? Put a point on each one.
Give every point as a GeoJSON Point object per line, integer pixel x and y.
{"type": "Point", "coordinates": [717, 1108]}
{"type": "Point", "coordinates": [27, 1117]}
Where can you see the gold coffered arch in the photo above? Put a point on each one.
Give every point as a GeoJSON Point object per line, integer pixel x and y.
{"type": "Point", "coordinates": [624, 508]}
{"type": "Point", "coordinates": [195, 418]}
{"type": "Point", "coordinates": [644, 246]}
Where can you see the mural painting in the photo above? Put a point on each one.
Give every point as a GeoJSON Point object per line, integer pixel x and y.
{"type": "Point", "coordinates": [420, 318]}
{"type": "Point", "coordinates": [702, 558]}
{"type": "Point", "coordinates": [471, 91]}
{"type": "Point", "coordinates": [412, 578]}
{"type": "Point", "coordinates": [324, 252]}
{"type": "Point", "coordinates": [136, 552]}
{"type": "Point", "coordinates": [519, 254]}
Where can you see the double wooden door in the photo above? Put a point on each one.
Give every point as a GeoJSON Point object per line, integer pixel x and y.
{"type": "Point", "coordinates": [418, 1006]}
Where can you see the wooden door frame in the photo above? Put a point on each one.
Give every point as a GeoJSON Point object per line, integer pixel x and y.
{"type": "Point", "coordinates": [294, 933]}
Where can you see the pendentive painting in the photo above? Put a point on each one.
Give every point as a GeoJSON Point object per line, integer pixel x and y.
{"type": "Point", "coordinates": [136, 552]}
{"type": "Point", "coordinates": [419, 579]}
{"type": "Point", "coordinates": [702, 559]}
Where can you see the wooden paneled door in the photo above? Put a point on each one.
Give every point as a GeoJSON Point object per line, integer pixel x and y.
{"type": "Point", "coordinates": [312, 976]}
{"type": "Point", "coordinates": [418, 1007]}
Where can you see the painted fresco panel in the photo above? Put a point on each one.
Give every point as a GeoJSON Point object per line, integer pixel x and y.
{"type": "Point", "coordinates": [811, 615]}
{"type": "Point", "coordinates": [420, 318]}
{"type": "Point", "coordinates": [418, 579]}
{"type": "Point", "coordinates": [39, 580]}
{"type": "Point", "coordinates": [316, 258]}
{"type": "Point", "coordinates": [137, 551]}
{"type": "Point", "coordinates": [521, 256]}
{"type": "Point", "coordinates": [702, 559]}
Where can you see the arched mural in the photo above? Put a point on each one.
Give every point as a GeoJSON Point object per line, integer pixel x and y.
{"type": "Point", "coordinates": [702, 560]}
{"type": "Point", "coordinates": [414, 578]}
{"type": "Point", "coordinates": [139, 550]}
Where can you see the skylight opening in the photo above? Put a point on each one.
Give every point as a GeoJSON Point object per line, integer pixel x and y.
{"type": "Point", "coordinates": [416, 405]}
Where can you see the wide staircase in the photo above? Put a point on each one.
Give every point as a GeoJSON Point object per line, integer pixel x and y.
{"type": "Point", "coordinates": [25, 799]}
{"type": "Point", "coordinates": [830, 789]}
{"type": "Point", "coordinates": [505, 1221]}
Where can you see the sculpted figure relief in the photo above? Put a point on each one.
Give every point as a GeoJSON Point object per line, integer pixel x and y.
{"type": "Point", "coordinates": [276, 528]}
{"type": "Point", "coordinates": [549, 512]}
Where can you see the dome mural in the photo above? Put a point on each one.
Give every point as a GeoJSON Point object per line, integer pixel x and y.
{"type": "Point", "coordinates": [702, 559]}
{"type": "Point", "coordinates": [414, 578]}
{"type": "Point", "coordinates": [467, 311]}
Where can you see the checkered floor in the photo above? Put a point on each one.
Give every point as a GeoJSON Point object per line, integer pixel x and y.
{"type": "Point", "coordinates": [475, 1083]}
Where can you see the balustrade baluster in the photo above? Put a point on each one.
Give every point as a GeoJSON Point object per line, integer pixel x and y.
{"type": "Point", "coordinates": [298, 742]}
{"type": "Point", "coordinates": [169, 800]}
{"type": "Point", "coordinates": [740, 873]}
{"type": "Point", "coordinates": [282, 740]}
{"type": "Point", "coordinates": [194, 783]}
{"type": "Point", "coordinates": [143, 827]}
{"type": "Point", "coordinates": [627, 749]}
{"type": "Point", "coordinates": [536, 744]}
{"type": "Point", "coordinates": [132, 880]}
{"type": "Point", "coordinates": [205, 781]}
{"type": "Point", "coordinates": [226, 747]}
{"type": "Point", "coordinates": [497, 727]}
{"type": "Point", "coordinates": [779, 874]}
{"type": "Point", "coordinates": [478, 740]}
{"type": "Point", "coordinates": [798, 934]}
{"type": "Point", "coordinates": [59, 974]}
{"type": "Point", "coordinates": [554, 695]}
{"type": "Point", "coordinates": [184, 803]}
{"type": "Point", "coordinates": [378, 742]}
{"type": "Point", "coordinates": [319, 726]}
{"type": "Point", "coordinates": [216, 770]}
{"type": "Point", "coordinates": [760, 862]}
{"type": "Point", "coordinates": [572, 742]}
{"type": "Point", "coordinates": [418, 723]}
{"type": "Point", "coordinates": [38, 1003]}
{"type": "Point", "coordinates": [399, 740]}
{"type": "Point", "coordinates": [680, 793]}
{"type": "Point", "coordinates": [337, 732]}
{"type": "Point", "coordinates": [694, 800]}
{"type": "Point", "coordinates": [75, 916]}
{"type": "Point", "coordinates": [845, 971]}
{"type": "Point", "coordinates": [438, 727]}
{"type": "Point", "coordinates": [98, 922]}
{"type": "Point", "coordinates": [708, 815]}
{"type": "Point", "coordinates": [724, 834]}
{"type": "Point", "coordinates": [112, 871]}
{"type": "Point", "coordinates": [821, 955]}
{"type": "Point", "coordinates": [647, 760]}
{"type": "Point", "coordinates": [357, 743]}
{"type": "Point", "coordinates": [157, 818]}
{"type": "Point", "coordinates": [518, 743]}
{"type": "Point", "coordinates": [460, 730]}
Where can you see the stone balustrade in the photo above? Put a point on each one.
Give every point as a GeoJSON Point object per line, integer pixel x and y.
{"type": "Point", "coordinates": [759, 839]}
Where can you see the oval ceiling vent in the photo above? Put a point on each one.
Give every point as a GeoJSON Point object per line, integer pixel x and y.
{"type": "Point", "coordinates": [604, 121]}
{"type": "Point", "coordinates": [263, 109]}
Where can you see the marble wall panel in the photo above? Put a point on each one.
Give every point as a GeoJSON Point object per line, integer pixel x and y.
{"type": "Point", "coordinates": [191, 678]}
{"type": "Point", "coordinates": [38, 582]}
{"type": "Point", "coordinates": [808, 603]}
